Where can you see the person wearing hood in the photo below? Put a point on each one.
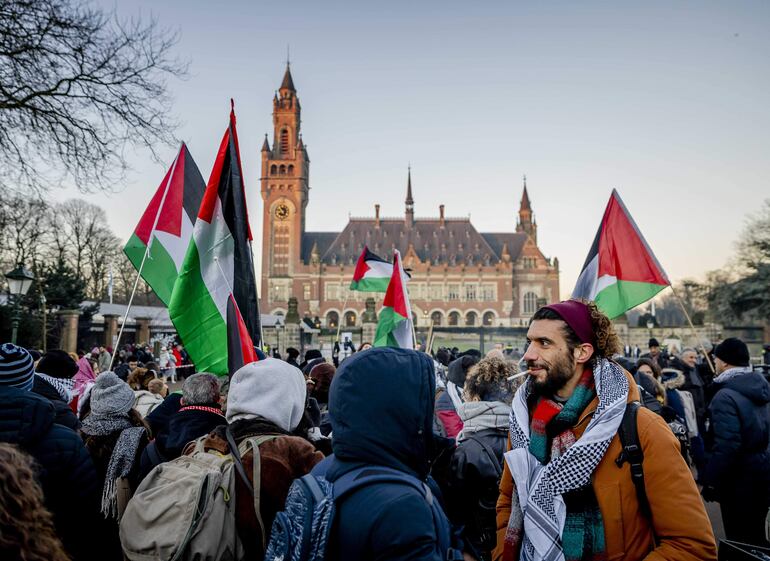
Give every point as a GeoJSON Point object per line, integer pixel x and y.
{"type": "Point", "coordinates": [448, 402]}
{"type": "Point", "coordinates": [737, 473]}
{"type": "Point", "coordinates": [381, 409]}
{"type": "Point", "coordinates": [115, 436]}
{"type": "Point", "coordinates": [83, 381]}
{"type": "Point", "coordinates": [64, 469]}
{"type": "Point", "coordinates": [477, 463]}
{"type": "Point", "coordinates": [266, 398]}
{"type": "Point", "coordinates": [53, 381]}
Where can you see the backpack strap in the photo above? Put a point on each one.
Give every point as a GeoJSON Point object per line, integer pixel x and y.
{"type": "Point", "coordinates": [254, 487]}
{"type": "Point", "coordinates": [633, 454]}
{"type": "Point", "coordinates": [490, 453]}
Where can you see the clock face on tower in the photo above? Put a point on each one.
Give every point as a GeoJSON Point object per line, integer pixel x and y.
{"type": "Point", "coordinates": [282, 212]}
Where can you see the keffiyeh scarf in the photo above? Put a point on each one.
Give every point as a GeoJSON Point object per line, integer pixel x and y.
{"type": "Point", "coordinates": [123, 455]}
{"type": "Point", "coordinates": [537, 528]}
{"type": "Point", "coordinates": [63, 386]}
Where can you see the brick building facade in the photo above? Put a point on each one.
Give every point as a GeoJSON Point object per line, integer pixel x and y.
{"type": "Point", "coordinates": [460, 276]}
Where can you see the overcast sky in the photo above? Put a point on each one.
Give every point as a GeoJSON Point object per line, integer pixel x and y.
{"type": "Point", "coordinates": [667, 102]}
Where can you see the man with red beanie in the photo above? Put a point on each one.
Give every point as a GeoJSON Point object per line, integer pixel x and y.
{"type": "Point", "coordinates": [566, 492]}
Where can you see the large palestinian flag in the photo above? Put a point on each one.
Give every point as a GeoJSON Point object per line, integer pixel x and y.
{"type": "Point", "coordinates": [620, 271]}
{"type": "Point", "coordinates": [166, 226]}
{"type": "Point", "coordinates": [214, 302]}
{"type": "Point", "coordinates": [372, 273]}
{"type": "Point", "coordinates": [394, 325]}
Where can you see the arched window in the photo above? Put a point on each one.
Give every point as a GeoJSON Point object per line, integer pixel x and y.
{"type": "Point", "coordinates": [273, 169]}
{"type": "Point", "coordinates": [436, 318]}
{"type": "Point", "coordinates": [471, 318]}
{"type": "Point", "coordinates": [290, 170]}
{"type": "Point", "coordinates": [453, 319]}
{"type": "Point", "coordinates": [350, 319]}
{"type": "Point", "coordinates": [282, 170]}
{"type": "Point", "coordinates": [285, 141]}
{"type": "Point", "coordinates": [489, 318]}
{"type": "Point", "coordinates": [332, 320]}
{"type": "Point", "coordinates": [530, 303]}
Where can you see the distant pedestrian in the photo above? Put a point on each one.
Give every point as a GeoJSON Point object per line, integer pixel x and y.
{"type": "Point", "coordinates": [53, 380]}
{"type": "Point", "coordinates": [292, 355]}
{"type": "Point", "coordinates": [737, 473]}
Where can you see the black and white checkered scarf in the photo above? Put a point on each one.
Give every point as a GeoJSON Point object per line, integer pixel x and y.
{"type": "Point", "coordinates": [538, 504]}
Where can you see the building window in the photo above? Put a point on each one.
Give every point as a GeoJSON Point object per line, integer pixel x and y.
{"type": "Point", "coordinates": [489, 318]}
{"type": "Point", "coordinates": [471, 318]}
{"type": "Point", "coordinates": [530, 303]}
{"type": "Point", "coordinates": [290, 170]}
{"type": "Point", "coordinates": [332, 320]}
{"type": "Point", "coordinates": [470, 292]}
{"type": "Point", "coordinates": [350, 319]}
{"type": "Point", "coordinates": [453, 319]}
{"type": "Point", "coordinates": [436, 292]}
{"type": "Point", "coordinates": [279, 294]}
{"type": "Point", "coordinates": [306, 291]}
{"type": "Point", "coordinates": [285, 141]}
{"type": "Point", "coordinates": [453, 292]}
{"type": "Point", "coordinates": [273, 169]}
{"type": "Point", "coordinates": [332, 291]}
{"type": "Point", "coordinates": [488, 292]}
{"type": "Point", "coordinates": [436, 318]}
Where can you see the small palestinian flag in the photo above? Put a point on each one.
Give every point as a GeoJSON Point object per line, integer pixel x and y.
{"type": "Point", "coordinates": [394, 328]}
{"type": "Point", "coordinates": [166, 226]}
{"type": "Point", "coordinates": [372, 273]}
{"type": "Point", "coordinates": [214, 302]}
{"type": "Point", "coordinates": [620, 271]}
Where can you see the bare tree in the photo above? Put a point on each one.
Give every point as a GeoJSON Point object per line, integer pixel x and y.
{"type": "Point", "coordinates": [78, 87]}
{"type": "Point", "coordinates": [23, 228]}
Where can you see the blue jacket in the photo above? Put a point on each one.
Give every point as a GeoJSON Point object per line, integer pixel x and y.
{"type": "Point", "coordinates": [739, 436]}
{"type": "Point", "coordinates": [66, 472]}
{"type": "Point", "coordinates": [381, 410]}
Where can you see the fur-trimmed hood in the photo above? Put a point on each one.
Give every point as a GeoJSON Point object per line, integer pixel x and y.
{"type": "Point", "coordinates": [672, 379]}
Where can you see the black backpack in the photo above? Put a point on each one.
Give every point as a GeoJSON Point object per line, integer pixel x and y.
{"type": "Point", "coordinates": [633, 454]}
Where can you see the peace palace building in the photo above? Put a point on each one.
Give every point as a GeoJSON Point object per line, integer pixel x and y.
{"type": "Point", "coordinates": [460, 276]}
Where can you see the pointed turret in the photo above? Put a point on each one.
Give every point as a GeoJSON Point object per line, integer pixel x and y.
{"type": "Point", "coordinates": [288, 83]}
{"type": "Point", "coordinates": [265, 145]}
{"type": "Point", "coordinates": [526, 222]}
{"type": "Point", "coordinates": [409, 218]}
{"type": "Point", "coordinates": [525, 205]}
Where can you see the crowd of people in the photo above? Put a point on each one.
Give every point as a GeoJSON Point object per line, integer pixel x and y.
{"type": "Point", "coordinates": [572, 451]}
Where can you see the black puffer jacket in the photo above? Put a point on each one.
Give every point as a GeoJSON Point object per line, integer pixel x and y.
{"type": "Point", "coordinates": [472, 487]}
{"type": "Point", "coordinates": [739, 436]}
{"type": "Point", "coordinates": [66, 472]}
{"type": "Point", "coordinates": [63, 414]}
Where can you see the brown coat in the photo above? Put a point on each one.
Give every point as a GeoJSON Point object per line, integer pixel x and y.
{"type": "Point", "coordinates": [679, 519]}
{"type": "Point", "coordinates": [282, 460]}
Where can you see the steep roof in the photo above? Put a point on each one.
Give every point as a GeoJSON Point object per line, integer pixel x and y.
{"type": "Point", "coordinates": [287, 83]}
{"type": "Point", "coordinates": [320, 239]}
{"type": "Point", "coordinates": [455, 242]}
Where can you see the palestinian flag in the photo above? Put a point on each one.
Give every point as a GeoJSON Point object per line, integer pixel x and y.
{"type": "Point", "coordinates": [620, 271]}
{"type": "Point", "coordinates": [165, 229]}
{"type": "Point", "coordinates": [394, 328]}
{"type": "Point", "coordinates": [214, 302]}
{"type": "Point", "coordinates": [372, 273]}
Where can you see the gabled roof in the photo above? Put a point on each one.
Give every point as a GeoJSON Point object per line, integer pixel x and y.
{"type": "Point", "coordinates": [515, 242]}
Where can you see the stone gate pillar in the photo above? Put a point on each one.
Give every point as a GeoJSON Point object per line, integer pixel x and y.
{"type": "Point", "coordinates": [142, 330]}
{"type": "Point", "coordinates": [110, 329]}
{"type": "Point", "coordinates": [69, 330]}
{"type": "Point", "coordinates": [369, 322]}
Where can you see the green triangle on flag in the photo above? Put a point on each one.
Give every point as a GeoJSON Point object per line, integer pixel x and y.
{"type": "Point", "coordinates": [620, 271]}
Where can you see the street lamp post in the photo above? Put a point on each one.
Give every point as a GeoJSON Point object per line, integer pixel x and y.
{"type": "Point", "coordinates": [19, 281]}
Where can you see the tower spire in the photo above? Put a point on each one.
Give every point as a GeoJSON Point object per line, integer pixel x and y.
{"type": "Point", "coordinates": [409, 215]}
{"type": "Point", "coordinates": [287, 83]}
{"type": "Point", "coordinates": [526, 222]}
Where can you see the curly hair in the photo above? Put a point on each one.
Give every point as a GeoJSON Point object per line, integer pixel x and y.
{"type": "Point", "coordinates": [488, 380]}
{"type": "Point", "coordinates": [606, 340]}
{"type": "Point", "coordinates": [140, 378]}
{"type": "Point", "coordinates": [26, 527]}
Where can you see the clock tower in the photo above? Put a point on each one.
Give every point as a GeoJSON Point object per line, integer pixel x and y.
{"type": "Point", "coordinates": [284, 187]}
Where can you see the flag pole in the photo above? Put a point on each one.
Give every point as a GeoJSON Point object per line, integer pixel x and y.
{"type": "Point", "coordinates": [261, 332]}
{"type": "Point", "coordinates": [689, 321]}
{"type": "Point", "coordinates": [144, 260]}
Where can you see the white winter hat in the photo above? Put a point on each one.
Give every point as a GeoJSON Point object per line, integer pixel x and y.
{"type": "Point", "coordinates": [269, 388]}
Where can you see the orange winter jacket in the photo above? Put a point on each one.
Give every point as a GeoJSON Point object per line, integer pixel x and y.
{"type": "Point", "coordinates": [680, 529]}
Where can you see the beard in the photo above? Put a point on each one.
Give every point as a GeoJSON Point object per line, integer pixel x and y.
{"type": "Point", "coordinates": [558, 373]}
